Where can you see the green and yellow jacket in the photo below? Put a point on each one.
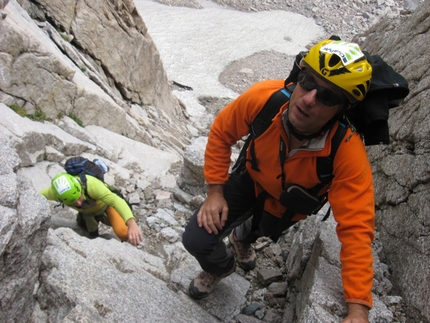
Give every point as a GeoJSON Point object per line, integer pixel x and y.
{"type": "Point", "coordinates": [96, 199]}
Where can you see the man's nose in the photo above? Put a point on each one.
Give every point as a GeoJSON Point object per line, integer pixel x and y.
{"type": "Point", "coordinates": [310, 98]}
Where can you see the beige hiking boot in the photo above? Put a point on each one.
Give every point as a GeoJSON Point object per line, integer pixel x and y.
{"type": "Point", "coordinates": [245, 254]}
{"type": "Point", "coordinates": [205, 283]}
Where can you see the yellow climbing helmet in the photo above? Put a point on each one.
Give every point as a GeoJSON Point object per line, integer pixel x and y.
{"type": "Point", "coordinates": [342, 64]}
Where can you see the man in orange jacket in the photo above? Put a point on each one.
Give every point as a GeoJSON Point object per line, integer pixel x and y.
{"type": "Point", "coordinates": [334, 76]}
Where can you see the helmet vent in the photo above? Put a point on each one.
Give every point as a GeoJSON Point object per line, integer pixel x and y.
{"type": "Point", "coordinates": [334, 60]}
{"type": "Point", "coordinates": [361, 92]}
{"type": "Point", "coordinates": [343, 64]}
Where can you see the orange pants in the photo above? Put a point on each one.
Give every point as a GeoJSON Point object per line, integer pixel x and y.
{"type": "Point", "coordinates": [117, 222]}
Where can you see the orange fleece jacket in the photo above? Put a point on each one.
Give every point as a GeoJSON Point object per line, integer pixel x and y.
{"type": "Point", "coordinates": [351, 195]}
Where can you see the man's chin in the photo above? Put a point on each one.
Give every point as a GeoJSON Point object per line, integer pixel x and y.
{"type": "Point", "coordinates": [297, 127]}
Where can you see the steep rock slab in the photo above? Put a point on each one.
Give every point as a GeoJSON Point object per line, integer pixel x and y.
{"type": "Point", "coordinates": [31, 139]}
{"type": "Point", "coordinates": [114, 35]}
{"type": "Point", "coordinates": [52, 84]}
{"type": "Point", "coordinates": [226, 300]}
{"type": "Point", "coordinates": [63, 80]}
{"type": "Point", "coordinates": [315, 292]}
{"type": "Point", "coordinates": [105, 281]}
{"type": "Point", "coordinates": [24, 223]}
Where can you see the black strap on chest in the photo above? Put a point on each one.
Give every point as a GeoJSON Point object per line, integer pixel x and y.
{"type": "Point", "coordinates": [282, 158]}
{"type": "Point", "coordinates": [260, 124]}
{"type": "Point", "coordinates": [264, 120]}
{"type": "Point", "coordinates": [325, 175]}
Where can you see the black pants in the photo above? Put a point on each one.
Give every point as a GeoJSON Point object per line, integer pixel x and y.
{"type": "Point", "coordinates": [208, 248]}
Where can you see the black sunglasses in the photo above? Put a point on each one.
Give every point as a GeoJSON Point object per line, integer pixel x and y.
{"type": "Point", "coordinates": [324, 96]}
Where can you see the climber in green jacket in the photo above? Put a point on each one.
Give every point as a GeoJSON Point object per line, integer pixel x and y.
{"type": "Point", "coordinates": [97, 203]}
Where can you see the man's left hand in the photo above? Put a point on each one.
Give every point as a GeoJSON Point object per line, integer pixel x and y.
{"type": "Point", "coordinates": [357, 313]}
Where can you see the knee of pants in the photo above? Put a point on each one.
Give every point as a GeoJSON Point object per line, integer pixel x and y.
{"type": "Point", "coordinates": [189, 242]}
{"type": "Point", "coordinates": [80, 221]}
{"type": "Point", "coordinates": [196, 241]}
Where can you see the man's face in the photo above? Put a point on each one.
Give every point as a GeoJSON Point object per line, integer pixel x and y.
{"type": "Point", "coordinates": [313, 103]}
{"type": "Point", "coordinates": [79, 202]}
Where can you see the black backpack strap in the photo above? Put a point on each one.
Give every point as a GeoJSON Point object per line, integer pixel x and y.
{"type": "Point", "coordinates": [325, 175]}
{"type": "Point", "coordinates": [83, 179]}
{"type": "Point", "coordinates": [261, 122]}
{"type": "Point", "coordinates": [264, 119]}
{"type": "Point", "coordinates": [241, 160]}
{"type": "Point", "coordinates": [325, 164]}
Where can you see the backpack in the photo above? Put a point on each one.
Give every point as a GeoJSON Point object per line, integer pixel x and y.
{"type": "Point", "coordinates": [83, 166]}
{"type": "Point", "coordinates": [77, 165]}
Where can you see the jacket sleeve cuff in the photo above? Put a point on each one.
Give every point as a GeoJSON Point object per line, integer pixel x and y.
{"type": "Point", "coordinates": [359, 301]}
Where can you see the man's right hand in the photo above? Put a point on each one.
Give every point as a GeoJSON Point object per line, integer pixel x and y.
{"type": "Point", "coordinates": [214, 210]}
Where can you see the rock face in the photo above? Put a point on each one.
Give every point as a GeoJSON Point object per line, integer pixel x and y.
{"type": "Point", "coordinates": [401, 170]}
{"type": "Point", "coordinates": [113, 35]}
{"type": "Point", "coordinates": [24, 223]}
{"type": "Point", "coordinates": [108, 268]}
{"type": "Point", "coordinates": [103, 63]}
{"type": "Point", "coordinates": [104, 69]}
